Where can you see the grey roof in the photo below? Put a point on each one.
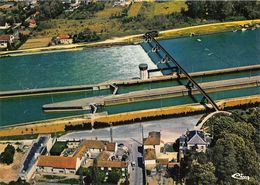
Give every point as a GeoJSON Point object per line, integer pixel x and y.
{"type": "Point", "coordinates": [196, 138]}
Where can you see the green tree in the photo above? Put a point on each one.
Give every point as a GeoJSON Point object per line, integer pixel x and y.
{"type": "Point", "coordinates": [201, 174]}
{"type": "Point", "coordinates": [7, 155]}
{"type": "Point", "coordinates": [113, 177]}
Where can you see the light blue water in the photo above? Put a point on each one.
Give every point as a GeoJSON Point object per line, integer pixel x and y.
{"type": "Point", "coordinates": [210, 52]}
{"type": "Point", "coordinates": [89, 66]}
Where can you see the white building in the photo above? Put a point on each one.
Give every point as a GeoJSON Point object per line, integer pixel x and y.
{"type": "Point", "coordinates": [194, 139]}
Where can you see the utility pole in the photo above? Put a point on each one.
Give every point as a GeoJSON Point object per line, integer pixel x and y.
{"type": "Point", "coordinates": [111, 133]}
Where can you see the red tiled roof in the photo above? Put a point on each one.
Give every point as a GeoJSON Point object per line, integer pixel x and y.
{"type": "Point", "coordinates": [88, 144]}
{"type": "Point", "coordinates": [57, 162]}
{"type": "Point", "coordinates": [111, 147]}
{"type": "Point", "coordinates": [64, 36]}
{"type": "Point", "coordinates": [154, 138]}
{"type": "Point", "coordinates": [112, 164]}
{"type": "Point", "coordinates": [32, 21]}
{"type": "Point", "coordinates": [4, 37]}
{"type": "Point", "coordinates": [173, 164]}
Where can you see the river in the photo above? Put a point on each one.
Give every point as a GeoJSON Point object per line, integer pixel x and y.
{"type": "Point", "coordinates": [89, 66]}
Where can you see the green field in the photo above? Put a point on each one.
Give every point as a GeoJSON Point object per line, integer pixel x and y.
{"type": "Point", "coordinates": [103, 22]}
{"type": "Point", "coordinates": [162, 8]}
{"type": "Point", "coordinates": [134, 10]}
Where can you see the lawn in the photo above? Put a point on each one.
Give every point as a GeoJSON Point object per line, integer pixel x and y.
{"type": "Point", "coordinates": [134, 10]}
{"type": "Point", "coordinates": [58, 148]}
{"type": "Point", "coordinates": [162, 8]}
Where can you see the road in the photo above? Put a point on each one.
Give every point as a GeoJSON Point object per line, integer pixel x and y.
{"type": "Point", "coordinates": [135, 172]}
{"type": "Point", "coordinates": [170, 129]}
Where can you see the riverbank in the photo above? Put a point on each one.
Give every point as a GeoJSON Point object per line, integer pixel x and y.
{"type": "Point", "coordinates": [135, 39]}
{"type": "Point", "coordinates": [101, 120]}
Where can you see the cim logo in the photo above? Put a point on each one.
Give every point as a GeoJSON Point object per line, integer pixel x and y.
{"type": "Point", "coordinates": [240, 176]}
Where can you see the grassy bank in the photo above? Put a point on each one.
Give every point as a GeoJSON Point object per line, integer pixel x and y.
{"type": "Point", "coordinates": [124, 118]}
{"type": "Point", "coordinates": [173, 33]}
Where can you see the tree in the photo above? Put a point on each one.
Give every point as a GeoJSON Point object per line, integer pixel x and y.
{"type": "Point", "coordinates": [196, 9]}
{"type": "Point", "coordinates": [113, 177]}
{"type": "Point", "coordinates": [203, 174]}
{"type": "Point", "coordinates": [224, 159]}
{"type": "Point", "coordinates": [7, 155]}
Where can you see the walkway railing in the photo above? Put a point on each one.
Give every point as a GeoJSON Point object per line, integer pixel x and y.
{"type": "Point", "coordinates": [149, 37]}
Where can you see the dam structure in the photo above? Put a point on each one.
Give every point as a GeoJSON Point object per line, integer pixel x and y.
{"type": "Point", "coordinates": [188, 86]}
{"type": "Point", "coordinates": [182, 89]}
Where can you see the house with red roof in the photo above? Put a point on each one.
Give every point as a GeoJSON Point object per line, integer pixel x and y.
{"type": "Point", "coordinates": [58, 164]}
{"type": "Point", "coordinates": [65, 39]}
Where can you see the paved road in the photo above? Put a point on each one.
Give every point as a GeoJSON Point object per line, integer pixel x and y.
{"type": "Point", "coordinates": [136, 173]}
{"type": "Point", "coordinates": [170, 129]}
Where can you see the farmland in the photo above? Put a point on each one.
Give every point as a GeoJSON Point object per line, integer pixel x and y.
{"type": "Point", "coordinates": [36, 43]}
{"type": "Point", "coordinates": [134, 10]}
{"type": "Point", "coordinates": [162, 8]}
{"type": "Point", "coordinates": [107, 23]}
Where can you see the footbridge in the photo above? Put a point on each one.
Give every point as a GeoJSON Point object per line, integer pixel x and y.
{"type": "Point", "coordinates": [157, 47]}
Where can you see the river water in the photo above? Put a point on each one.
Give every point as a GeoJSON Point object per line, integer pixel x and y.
{"type": "Point", "coordinates": [96, 65]}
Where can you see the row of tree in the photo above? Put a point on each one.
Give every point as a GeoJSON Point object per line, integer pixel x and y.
{"type": "Point", "coordinates": [221, 10]}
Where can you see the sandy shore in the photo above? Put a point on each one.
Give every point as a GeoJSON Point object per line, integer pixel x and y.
{"type": "Point", "coordinates": [132, 39]}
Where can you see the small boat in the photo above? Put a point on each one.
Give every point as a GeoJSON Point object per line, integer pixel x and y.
{"type": "Point", "coordinates": [199, 40]}
{"type": "Point", "coordinates": [243, 29]}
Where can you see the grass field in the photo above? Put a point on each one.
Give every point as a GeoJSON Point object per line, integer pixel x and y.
{"type": "Point", "coordinates": [162, 8]}
{"type": "Point", "coordinates": [108, 11]}
{"type": "Point", "coordinates": [63, 26]}
{"type": "Point", "coordinates": [36, 43]}
{"type": "Point", "coordinates": [106, 27]}
{"type": "Point", "coordinates": [134, 10]}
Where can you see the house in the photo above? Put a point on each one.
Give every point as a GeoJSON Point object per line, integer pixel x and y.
{"type": "Point", "coordinates": [32, 23]}
{"type": "Point", "coordinates": [111, 147]}
{"type": "Point", "coordinates": [153, 141]}
{"type": "Point", "coordinates": [40, 147]}
{"type": "Point", "coordinates": [194, 139]}
{"type": "Point", "coordinates": [149, 158]}
{"type": "Point", "coordinates": [107, 161]}
{"type": "Point", "coordinates": [89, 149]}
{"type": "Point", "coordinates": [112, 164]}
{"type": "Point", "coordinates": [155, 152]}
{"type": "Point", "coordinates": [58, 164]}
{"type": "Point", "coordinates": [65, 39]}
{"type": "Point", "coordinates": [5, 27]}
{"type": "Point", "coordinates": [6, 39]}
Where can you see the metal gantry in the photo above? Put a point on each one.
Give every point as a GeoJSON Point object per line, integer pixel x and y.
{"type": "Point", "coordinates": [149, 37]}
